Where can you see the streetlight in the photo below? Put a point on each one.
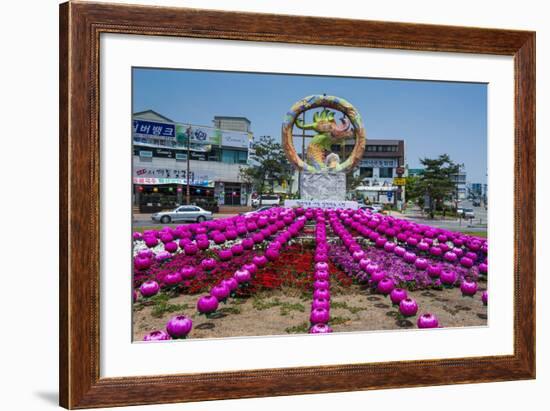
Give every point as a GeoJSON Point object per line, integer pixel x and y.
{"type": "Point", "coordinates": [188, 191]}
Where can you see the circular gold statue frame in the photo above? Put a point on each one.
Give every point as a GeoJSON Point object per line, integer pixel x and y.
{"type": "Point", "coordinates": [329, 132]}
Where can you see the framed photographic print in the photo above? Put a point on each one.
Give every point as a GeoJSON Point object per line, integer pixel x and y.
{"type": "Point", "coordinates": [257, 205]}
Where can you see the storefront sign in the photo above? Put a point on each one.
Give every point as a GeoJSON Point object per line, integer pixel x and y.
{"type": "Point", "coordinates": [210, 135]}
{"type": "Point", "coordinates": [235, 139]}
{"type": "Point", "coordinates": [379, 162]}
{"type": "Point", "coordinates": [144, 129]}
{"type": "Point", "coordinates": [145, 150]}
{"type": "Point", "coordinates": [156, 181]}
{"type": "Point", "coordinates": [197, 134]}
{"type": "Point", "coordinates": [322, 204]}
{"type": "Point", "coordinates": [152, 175]}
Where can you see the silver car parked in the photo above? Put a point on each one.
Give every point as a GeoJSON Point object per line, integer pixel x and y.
{"type": "Point", "coordinates": [182, 213]}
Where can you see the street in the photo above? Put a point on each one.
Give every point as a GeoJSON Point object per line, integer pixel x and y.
{"type": "Point", "coordinates": [478, 224]}
{"type": "Point", "coordinates": [144, 220]}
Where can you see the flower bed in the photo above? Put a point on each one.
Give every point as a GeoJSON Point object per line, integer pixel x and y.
{"type": "Point", "coordinates": [241, 256]}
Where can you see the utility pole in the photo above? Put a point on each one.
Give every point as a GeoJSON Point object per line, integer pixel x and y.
{"type": "Point", "coordinates": [188, 192]}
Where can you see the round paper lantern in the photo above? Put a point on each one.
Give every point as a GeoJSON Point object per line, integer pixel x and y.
{"type": "Point", "coordinates": [231, 283]}
{"type": "Point", "coordinates": [408, 307]}
{"type": "Point", "coordinates": [191, 249]}
{"type": "Point", "coordinates": [427, 321]}
{"type": "Point", "coordinates": [271, 253]}
{"type": "Point", "coordinates": [466, 262]}
{"type": "Point", "coordinates": [483, 268]}
{"type": "Point", "coordinates": [409, 257]}
{"type": "Point", "coordinates": [207, 304]}
{"type": "Point", "coordinates": [171, 247]}
{"type": "Point", "coordinates": [172, 279]}
{"type": "Point", "coordinates": [259, 260]}
{"type": "Point", "coordinates": [378, 275]}
{"type": "Point", "coordinates": [220, 291]}
{"type": "Point", "coordinates": [322, 294]}
{"type": "Point", "coordinates": [397, 295]}
{"type": "Point", "coordinates": [450, 256]}
{"type": "Point", "coordinates": [434, 270]}
{"type": "Point", "coordinates": [421, 263]}
{"type": "Point", "coordinates": [179, 326]}
{"type": "Point", "coordinates": [385, 286]}
{"type": "Point", "coordinates": [247, 243]}
{"type": "Point", "coordinates": [208, 264]}
{"type": "Point", "coordinates": [321, 275]}
{"type": "Point", "coordinates": [319, 315]}
{"type": "Point", "coordinates": [468, 288]}
{"type": "Point", "coordinates": [142, 263]}
{"type": "Point", "coordinates": [242, 276]}
{"type": "Point", "coordinates": [187, 272]}
{"type": "Point", "coordinates": [156, 336]}
{"type": "Point", "coordinates": [251, 268]}
{"type": "Point", "coordinates": [320, 303]}
{"type": "Point", "coordinates": [149, 288]}
{"type": "Point", "coordinates": [448, 277]}
{"type": "Point", "coordinates": [484, 297]}
{"type": "Point", "coordinates": [321, 284]}
{"type": "Point", "coordinates": [225, 255]}
{"type": "Point", "coordinates": [320, 328]}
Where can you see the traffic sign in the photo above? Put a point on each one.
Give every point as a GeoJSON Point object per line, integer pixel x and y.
{"type": "Point", "coordinates": [389, 194]}
{"type": "Point", "coordinates": [399, 181]}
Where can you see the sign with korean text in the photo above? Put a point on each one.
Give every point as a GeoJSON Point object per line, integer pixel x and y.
{"type": "Point", "coordinates": [153, 129]}
{"type": "Point", "coordinates": [400, 181]}
{"type": "Point", "coordinates": [235, 139]}
{"type": "Point", "coordinates": [197, 135]}
{"type": "Point", "coordinates": [379, 162]}
{"type": "Point", "coordinates": [354, 205]}
{"type": "Point", "coordinates": [158, 175]}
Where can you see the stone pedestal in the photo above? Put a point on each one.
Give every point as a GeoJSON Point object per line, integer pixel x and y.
{"type": "Point", "coordinates": [323, 186]}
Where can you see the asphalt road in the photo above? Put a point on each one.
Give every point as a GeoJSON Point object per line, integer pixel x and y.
{"type": "Point", "coordinates": [144, 220]}
{"type": "Point", "coordinates": [477, 224]}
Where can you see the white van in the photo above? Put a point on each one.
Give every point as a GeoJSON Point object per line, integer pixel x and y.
{"type": "Point", "coordinates": [267, 200]}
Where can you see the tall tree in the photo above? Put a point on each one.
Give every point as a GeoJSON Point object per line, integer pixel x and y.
{"type": "Point", "coordinates": [437, 182]}
{"type": "Point", "coordinates": [267, 165]}
{"type": "Point", "coordinates": [414, 190]}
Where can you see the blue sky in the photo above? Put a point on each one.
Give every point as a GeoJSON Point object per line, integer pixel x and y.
{"type": "Point", "coordinates": [432, 117]}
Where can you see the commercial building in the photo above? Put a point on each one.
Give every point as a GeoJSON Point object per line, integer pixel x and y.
{"type": "Point", "coordinates": [476, 189]}
{"type": "Point", "coordinates": [232, 123]}
{"type": "Point", "coordinates": [459, 179]}
{"type": "Point", "coordinates": [161, 148]}
{"type": "Point", "coordinates": [381, 167]}
{"type": "Point", "coordinates": [415, 172]}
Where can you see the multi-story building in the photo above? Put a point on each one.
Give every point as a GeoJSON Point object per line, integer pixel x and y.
{"type": "Point", "coordinates": [232, 123]}
{"type": "Point", "coordinates": [382, 162]}
{"type": "Point", "coordinates": [160, 156]}
{"type": "Point", "coordinates": [476, 189]}
{"type": "Point", "coordinates": [415, 172]}
{"type": "Point", "coordinates": [459, 179]}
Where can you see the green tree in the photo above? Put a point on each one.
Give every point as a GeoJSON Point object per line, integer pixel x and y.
{"type": "Point", "coordinates": [352, 182]}
{"type": "Point", "coordinates": [437, 181]}
{"type": "Point", "coordinates": [268, 165]}
{"type": "Point", "coordinates": [415, 192]}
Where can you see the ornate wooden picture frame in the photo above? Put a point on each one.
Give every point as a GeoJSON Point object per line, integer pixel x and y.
{"type": "Point", "coordinates": [81, 25]}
